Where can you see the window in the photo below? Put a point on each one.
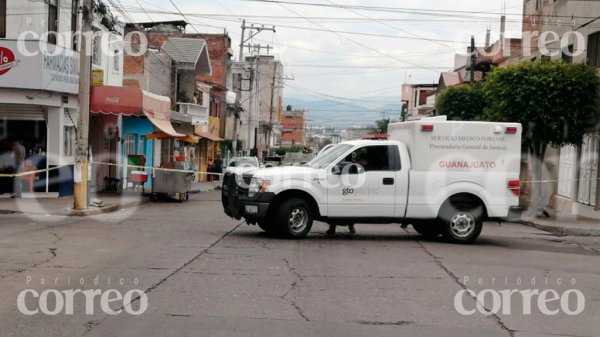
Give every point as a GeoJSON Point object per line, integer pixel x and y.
{"type": "Point", "coordinates": [538, 4]}
{"type": "Point", "coordinates": [567, 54]}
{"type": "Point", "coordinates": [116, 61]}
{"type": "Point", "coordinates": [128, 145]}
{"type": "Point", "coordinates": [2, 18]}
{"type": "Point", "coordinates": [141, 148]}
{"type": "Point", "coordinates": [74, 16]}
{"type": "Point", "coordinates": [69, 141]}
{"type": "Point", "coordinates": [96, 44]}
{"type": "Point", "coordinates": [593, 55]}
{"type": "Point", "coordinates": [52, 20]}
{"type": "Point", "coordinates": [372, 158]}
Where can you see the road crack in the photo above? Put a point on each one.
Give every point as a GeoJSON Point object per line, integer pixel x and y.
{"type": "Point", "coordinates": [456, 279]}
{"type": "Point", "coordinates": [288, 295]}
{"type": "Point", "coordinates": [164, 279]}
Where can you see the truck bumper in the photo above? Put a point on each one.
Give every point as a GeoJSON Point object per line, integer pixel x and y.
{"type": "Point", "coordinates": [237, 204]}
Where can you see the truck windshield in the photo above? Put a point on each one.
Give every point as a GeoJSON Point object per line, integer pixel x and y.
{"type": "Point", "coordinates": [329, 156]}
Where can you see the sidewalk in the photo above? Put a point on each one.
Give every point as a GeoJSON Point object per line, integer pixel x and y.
{"type": "Point", "coordinates": [64, 206]}
{"type": "Point", "coordinates": [565, 224]}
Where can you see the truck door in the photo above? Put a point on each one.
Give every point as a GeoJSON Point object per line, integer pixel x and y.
{"type": "Point", "coordinates": [364, 183]}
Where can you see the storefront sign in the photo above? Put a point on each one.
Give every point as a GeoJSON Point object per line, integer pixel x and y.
{"type": "Point", "coordinates": [38, 66]}
{"type": "Point", "coordinates": [97, 77]}
{"type": "Point", "coordinates": [7, 60]}
{"type": "Point", "coordinates": [214, 126]}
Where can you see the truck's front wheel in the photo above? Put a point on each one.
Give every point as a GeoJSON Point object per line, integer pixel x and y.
{"type": "Point", "coordinates": [294, 218]}
{"type": "Point", "coordinates": [461, 222]}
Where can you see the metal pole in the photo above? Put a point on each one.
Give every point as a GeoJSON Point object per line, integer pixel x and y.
{"type": "Point", "coordinates": [81, 162]}
{"type": "Point", "coordinates": [473, 59]}
{"type": "Point", "coordinates": [242, 41]}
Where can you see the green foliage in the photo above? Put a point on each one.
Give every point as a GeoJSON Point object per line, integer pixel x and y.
{"type": "Point", "coordinates": [381, 126]}
{"type": "Point", "coordinates": [293, 148]}
{"type": "Point", "coordinates": [556, 102]}
{"type": "Point", "coordinates": [462, 102]}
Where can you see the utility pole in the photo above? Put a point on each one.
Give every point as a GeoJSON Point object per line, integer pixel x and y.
{"type": "Point", "coordinates": [254, 101]}
{"type": "Point", "coordinates": [80, 189]}
{"type": "Point", "coordinates": [473, 59]}
{"type": "Point", "coordinates": [272, 108]}
{"type": "Point", "coordinates": [251, 105]}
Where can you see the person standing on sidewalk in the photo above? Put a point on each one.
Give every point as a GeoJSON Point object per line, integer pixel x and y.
{"type": "Point", "coordinates": [218, 166]}
{"type": "Point", "coordinates": [18, 154]}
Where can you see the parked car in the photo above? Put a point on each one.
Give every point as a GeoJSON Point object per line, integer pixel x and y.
{"type": "Point", "coordinates": [272, 161]}
{"type": "Point", "coordinates": [240, 165]}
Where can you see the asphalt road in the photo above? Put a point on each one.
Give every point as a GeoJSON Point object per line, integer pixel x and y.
{"type": "Point", "coordinates": [204, 274]}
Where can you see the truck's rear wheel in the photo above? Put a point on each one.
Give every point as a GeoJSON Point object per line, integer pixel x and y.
{"type": "Point", "coordinates": [461, 222]}
{"type": "Point", "coordinates": [432, 230]}
{"type": "Point", "coordinates": [294, 218]}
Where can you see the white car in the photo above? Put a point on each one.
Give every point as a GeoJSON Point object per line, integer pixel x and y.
{"type": "Point", "coordinates": [241, 165]}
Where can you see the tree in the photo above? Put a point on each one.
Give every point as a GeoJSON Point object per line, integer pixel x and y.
{"type": "Point", "coordinates": [556, 103]}
{"type": "Point", "coordinates": [381, 126]}
{"type": "Point", "coordinates": [324, 142]}
{"type": "Point", "coordinates": [463, 102]}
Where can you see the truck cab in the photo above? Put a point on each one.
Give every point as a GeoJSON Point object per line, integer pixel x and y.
{"type": "Point", "coordinates": [375, 181]}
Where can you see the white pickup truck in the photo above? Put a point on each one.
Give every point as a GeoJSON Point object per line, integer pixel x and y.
{"type": "Point", "coordinates": [441, 177]}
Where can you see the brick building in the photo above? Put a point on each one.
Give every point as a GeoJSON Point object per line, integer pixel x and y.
{"type": "Point", "coordinates": [220, 53]}
{"type": "Point", "coordinates": [293, 128]}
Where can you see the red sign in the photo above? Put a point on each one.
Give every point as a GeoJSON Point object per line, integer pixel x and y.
{"type": "Point", "coordinates": [7, 60]}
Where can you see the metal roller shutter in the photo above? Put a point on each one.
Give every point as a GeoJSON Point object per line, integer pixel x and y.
{"type": "Point", "coordinates": [22, 112]}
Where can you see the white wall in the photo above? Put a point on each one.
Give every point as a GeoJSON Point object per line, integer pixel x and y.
{"type": "Point", "coordinates": [24, 15]}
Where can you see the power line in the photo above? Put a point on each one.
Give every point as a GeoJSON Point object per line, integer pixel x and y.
{"type": "Point", "coordinates": [183, 15]}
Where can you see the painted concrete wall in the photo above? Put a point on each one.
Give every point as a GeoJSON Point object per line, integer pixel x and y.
{"type": "Point", "coordinates": [139, 127]}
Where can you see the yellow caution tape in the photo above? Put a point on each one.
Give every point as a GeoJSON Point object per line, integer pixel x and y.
{"type": "Point", "coordinates": [22, 174]}
{"type": "Point", "coordinates": [156, 168]}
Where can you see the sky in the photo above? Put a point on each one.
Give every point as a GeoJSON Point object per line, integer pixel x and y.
{"type": "Point", "coordinates": [347, 54]}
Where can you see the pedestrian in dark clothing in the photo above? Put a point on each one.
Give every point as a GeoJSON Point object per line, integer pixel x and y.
{"type": "Point", "coordinates": [218, 165]}
{"type": "Point", "coordinates": [18, 155]}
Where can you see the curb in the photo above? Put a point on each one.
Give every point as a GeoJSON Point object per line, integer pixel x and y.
{"type": "Point", "coordinates": [561, 230]}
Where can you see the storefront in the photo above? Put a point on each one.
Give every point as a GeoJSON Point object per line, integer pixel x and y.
{"type": "Point", "coordinates": [138, 114]}
{"type": "Point", "coordinates": [209, 145]}
{"type": "Point", "coordinates": [39, 83]}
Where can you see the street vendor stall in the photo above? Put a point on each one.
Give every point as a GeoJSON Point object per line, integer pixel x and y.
{"type": "Point", "coordinates": [174, 176]}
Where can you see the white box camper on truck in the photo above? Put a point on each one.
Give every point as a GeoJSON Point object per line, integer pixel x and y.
{"type": "Point", "coordinates": [441, 177]}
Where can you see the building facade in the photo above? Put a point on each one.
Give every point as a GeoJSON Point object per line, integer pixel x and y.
{"type": "Point", "coordinates": [39, 85]}
{"type": "Point", "coordinates": [415, 99]}
{"type": "Point", "coordinates": [261, 97]}
{"type": "Point", "coordinates": [572, 171]}
{"type": "Point", "coordinates": [293, 128]}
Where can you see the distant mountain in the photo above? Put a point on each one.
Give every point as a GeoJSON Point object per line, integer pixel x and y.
{"type": "Point", "coordinates": [346, 113]}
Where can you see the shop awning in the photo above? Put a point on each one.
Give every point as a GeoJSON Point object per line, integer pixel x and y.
{"type": "Point", "coordinates": [162, 135]}
{"type": "Point", "coordinates": [116, 100]}
{"type": "Point", "coordinates": [134, 102]}
{"type": "Point", "coordinates": [208, 136]}
{"type": "Point", "coordinates": [158, 110]}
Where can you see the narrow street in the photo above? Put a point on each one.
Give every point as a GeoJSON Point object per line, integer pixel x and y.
{"type": "Point", "coordinates": [207, 275]}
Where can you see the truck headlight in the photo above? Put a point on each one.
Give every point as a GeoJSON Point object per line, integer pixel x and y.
{"type": "Point", "coordinates": [258, 185]}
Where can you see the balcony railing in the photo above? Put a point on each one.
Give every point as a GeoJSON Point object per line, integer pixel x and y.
{"type": "Point", "coordinates": [198, 113]}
